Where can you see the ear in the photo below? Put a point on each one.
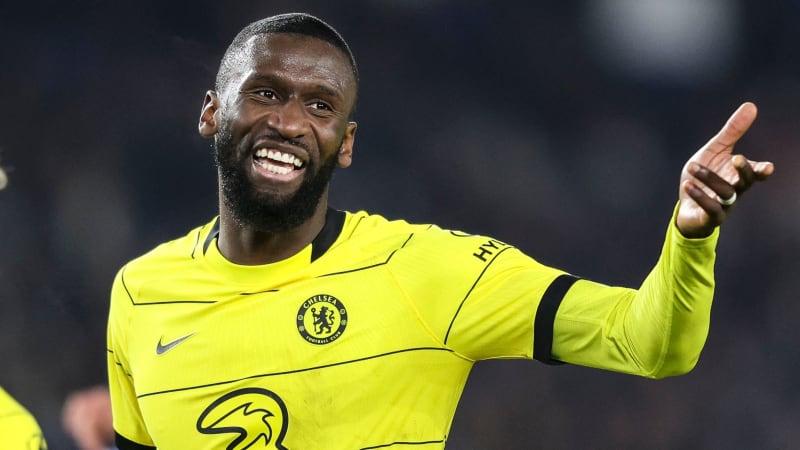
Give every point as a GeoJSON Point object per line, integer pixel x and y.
{"type": "Point", "coordinates": [209, 115]}
{"type": "Point", "coordinates": [346, 150]}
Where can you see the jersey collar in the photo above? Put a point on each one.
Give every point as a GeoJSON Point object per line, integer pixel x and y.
{"type": "Point", "coordinates": [334, 223]}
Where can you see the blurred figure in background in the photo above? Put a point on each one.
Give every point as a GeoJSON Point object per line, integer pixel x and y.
{"type": "Point", "coordinates": [86, 417]}
{"type": "Point", "coordinates": [18, 428]}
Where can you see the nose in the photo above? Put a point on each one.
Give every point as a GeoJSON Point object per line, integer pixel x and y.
{"type": "Point", "coordinates": [288, 119]}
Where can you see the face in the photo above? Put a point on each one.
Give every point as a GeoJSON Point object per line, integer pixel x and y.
{"type": "Point", "coordinates": [280, 128]}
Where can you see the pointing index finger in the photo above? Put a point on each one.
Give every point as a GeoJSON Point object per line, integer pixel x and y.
{"type": "Point", "coordinates": [734, 128]}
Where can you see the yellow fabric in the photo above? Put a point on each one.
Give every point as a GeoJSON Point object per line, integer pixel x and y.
{"type": "Point", "coordinates": [18, 428]}
{"type": "Point", "coordinates": [655, 331]}
{"type": "Point", "coordinates": [368, 346]}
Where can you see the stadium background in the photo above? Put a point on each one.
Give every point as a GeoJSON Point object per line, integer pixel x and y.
{"type": "Point", "coordinates": [560, 127]}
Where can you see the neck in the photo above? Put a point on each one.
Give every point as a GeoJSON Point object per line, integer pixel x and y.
{"type": "Point", "coordinates": [246, 246]}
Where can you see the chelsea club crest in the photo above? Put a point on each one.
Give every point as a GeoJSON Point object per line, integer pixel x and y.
{"type": "Point", "coordinates": [321, 319]}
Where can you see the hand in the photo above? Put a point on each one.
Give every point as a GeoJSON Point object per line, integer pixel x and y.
{"type": "Point", "coordinates": [714, 174]}
{"type": "Point", "coordinates": [86, 417]}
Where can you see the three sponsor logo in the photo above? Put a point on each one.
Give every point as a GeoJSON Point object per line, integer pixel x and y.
{"type": "Point", "coordinates": [253, 416]}
{"type": "Point", "coordinates": [256, 416]}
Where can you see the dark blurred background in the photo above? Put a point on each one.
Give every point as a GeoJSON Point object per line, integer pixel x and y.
{"type": "Point", "coordinates": [560, 127]}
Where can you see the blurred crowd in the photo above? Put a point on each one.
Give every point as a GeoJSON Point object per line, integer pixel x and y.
{"type": "Point", "coordinates": [559, 127]}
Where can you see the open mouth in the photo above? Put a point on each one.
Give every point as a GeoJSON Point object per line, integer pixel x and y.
{"type": "Point", "coordinates": [277, 162]}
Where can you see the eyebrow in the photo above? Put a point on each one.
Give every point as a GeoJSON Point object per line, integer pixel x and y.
{"type": "Point", "coordinates": [327, 89]}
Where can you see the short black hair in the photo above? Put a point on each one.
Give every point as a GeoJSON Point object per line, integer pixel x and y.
{"type": "Point", "coordinates": [299, 23]}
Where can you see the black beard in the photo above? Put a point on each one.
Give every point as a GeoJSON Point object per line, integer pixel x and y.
{"type": "Point", "coordinates": [265, 212]}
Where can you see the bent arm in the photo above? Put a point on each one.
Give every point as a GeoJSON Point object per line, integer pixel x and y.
{"type": "Point", "coordinates": [655, 331]}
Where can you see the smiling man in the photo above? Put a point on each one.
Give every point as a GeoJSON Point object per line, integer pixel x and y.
{"type": "Point", "coordinates": [286, 324]}
{"type": "Point", "coordinates": [275, 168]}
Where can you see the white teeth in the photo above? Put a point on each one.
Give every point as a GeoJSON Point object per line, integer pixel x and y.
{"type": "Point", "coordinates": [275, 155]}
{"type": "Point", "coordinates": [273, 168]}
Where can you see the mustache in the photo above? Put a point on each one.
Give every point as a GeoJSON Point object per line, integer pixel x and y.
{"type": "Point", "coordinates": [277, 138]}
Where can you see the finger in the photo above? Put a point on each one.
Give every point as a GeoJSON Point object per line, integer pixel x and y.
{"type": "Point", "coordinates": [762, 169]}
{"type": "Point", "coordinates": [736, 126]}
{"type": "Point", "coordinates": [746, 173]}
{"type": "Point", "coordinates": [712, 180]}
{"type": "Point", "coordinates": [710, 205]}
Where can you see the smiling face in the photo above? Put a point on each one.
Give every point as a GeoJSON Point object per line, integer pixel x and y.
{"type": "Point", "coordinates": [281, 127]}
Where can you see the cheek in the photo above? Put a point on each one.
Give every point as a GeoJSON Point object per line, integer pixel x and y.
{"type": "Point", "coordinates": [329, 141]}
{"type": "Point", "coordinates": [238, 133]}
{"type": "Point", "coordinates": [240, 117]}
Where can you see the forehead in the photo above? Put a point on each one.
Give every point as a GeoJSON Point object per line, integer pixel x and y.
{"type": "Point", "coordinates": [299, 57]}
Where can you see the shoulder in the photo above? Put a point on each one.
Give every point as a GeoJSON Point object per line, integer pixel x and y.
{"type": "Point", "coordinates": [184, 247]}
{"type": "Point", "coordinates": [425, 240]}
{"type": "Point", "coordinates": [165, 258]}
{"type": "Point", "coordinates": [18, 428]}
{"type": "Point", "coordinates": [363, 224]}
{"type": "Point", "coordinates": [374, 230]}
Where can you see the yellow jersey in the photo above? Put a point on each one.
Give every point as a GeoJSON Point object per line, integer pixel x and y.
{"type": "Point", "coordinates": [365, 338]}
{"type": "Point", "coordinates": [18, 428]}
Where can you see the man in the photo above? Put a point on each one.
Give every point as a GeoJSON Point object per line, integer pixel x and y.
{"type": "Point", "coordinates": [286, 324]}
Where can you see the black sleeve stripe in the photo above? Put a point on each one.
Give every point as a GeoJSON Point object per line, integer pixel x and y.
{"type": "Point", "coordinates": [546, 315]}
{"type": "Point", "coordinates": [125, 444]}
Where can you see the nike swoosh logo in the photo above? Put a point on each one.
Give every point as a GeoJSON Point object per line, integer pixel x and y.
{"type": "Point", "coordinates": [164, 348]}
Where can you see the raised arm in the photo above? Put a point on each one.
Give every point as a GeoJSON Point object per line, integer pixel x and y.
{"type": "Point", "coordinates": [660, 328]}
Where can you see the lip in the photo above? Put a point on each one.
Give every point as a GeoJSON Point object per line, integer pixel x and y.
{"type": "Point", "coordinates": [267, 144]}
{"type": "Point", "coordinates": [266, 179]}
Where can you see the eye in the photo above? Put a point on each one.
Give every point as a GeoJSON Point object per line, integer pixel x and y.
{"type": "Point", "coordinates": [322, 106]}
{"type": "Point", "coordinates": [266, 93]}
